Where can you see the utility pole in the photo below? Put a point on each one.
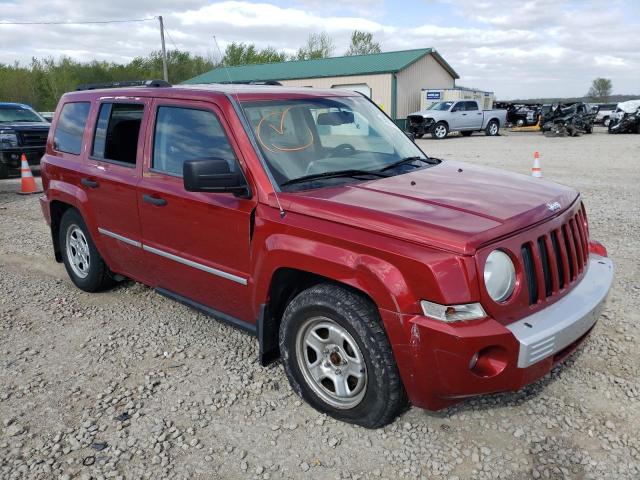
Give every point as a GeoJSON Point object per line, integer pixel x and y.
{"type": "Point", "coordinates": [164, 51]}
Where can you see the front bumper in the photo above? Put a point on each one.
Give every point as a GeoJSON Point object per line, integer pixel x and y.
{"type": "Point", "coordinates": [443, 363]}
{"type": "Point", "coordinates": [11, 156]}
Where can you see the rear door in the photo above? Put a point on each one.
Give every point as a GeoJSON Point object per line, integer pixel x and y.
{"type": "Point", "coordinates": [114, 166]}
{"type": "Point", "coordinates": [474, 116]}
{"type": "Point", "coordinates": [197, 243]}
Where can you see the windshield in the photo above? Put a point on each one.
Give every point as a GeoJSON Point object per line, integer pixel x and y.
{"type": "Point", "coordinates": [16, 113]}
{"type": "Point", "coordinates": [315, 137]}
{"type": "Point", "coordinates": [440, 106]}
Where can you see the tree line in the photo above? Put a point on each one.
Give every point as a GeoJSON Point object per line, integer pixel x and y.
{"type": "Point", "coordinates": [42, 82]}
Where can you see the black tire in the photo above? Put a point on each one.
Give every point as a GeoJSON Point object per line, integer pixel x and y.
{"type": "Point", "coordinates": [4, 171]}
{"type": "Point", "coordinates": [440, 127]}
{"type": "Point", "coordinates": [588, 128]}
{"type": "Point", "coordinates": [418, 136]}
{"type": "Point", "coordinates": [492, 129]}
{"type": "Point", "coordinates": [466, 133]}
{"type": "Point", "coordinates": [97, 275]}
{"type": "Point", "coordinates": [384, 396]}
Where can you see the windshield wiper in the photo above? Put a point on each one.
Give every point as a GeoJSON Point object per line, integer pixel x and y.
{"type": "Point", "coordinates": [403, 162]}
{"type": "Point", "coordinates": [334, 174]}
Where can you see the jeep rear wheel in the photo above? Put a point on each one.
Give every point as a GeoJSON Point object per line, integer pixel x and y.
{"type": "Point", "coordinates": [337, 356]}
{"type": "Point", "coordinates": [83, 263]}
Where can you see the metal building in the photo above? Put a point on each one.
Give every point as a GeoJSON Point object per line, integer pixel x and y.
{"type": "Point", "coordinates": [394, 80]}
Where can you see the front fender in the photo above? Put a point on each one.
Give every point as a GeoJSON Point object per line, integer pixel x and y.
{"type": "Point", "coordinates": [380, 280]}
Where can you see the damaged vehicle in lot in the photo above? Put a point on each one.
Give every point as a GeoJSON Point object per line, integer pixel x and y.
{"type": "Point", "coordinates": [570, 119]}
{"type": "Point", "coordinates": [378, 275]}
{"type": "Point", "coordinates": [464, 116]}
{"type": "Point", "coordinates": [626, 118]}
{"type": "Point", "coordinates": [22, 130]}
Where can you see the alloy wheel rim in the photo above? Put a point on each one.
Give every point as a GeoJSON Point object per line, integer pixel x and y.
{"type": "Point", "coordinates": [493, 129]}
{"type": "Point", "coordinates": [440, 131]}
{"type": "Point", "coordinates": [331, 362]}
{"type": "Point", "coordinates": [78, 251]}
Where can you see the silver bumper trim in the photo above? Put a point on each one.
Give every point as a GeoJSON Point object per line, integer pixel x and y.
{"type": "Point", "coordinates": [550, 330]}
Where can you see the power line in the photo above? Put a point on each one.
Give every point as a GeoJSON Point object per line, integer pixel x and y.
{"type": "Point", "coordinates": [171, 38]}
{"type": "Point", "coordinates": [81, 23]}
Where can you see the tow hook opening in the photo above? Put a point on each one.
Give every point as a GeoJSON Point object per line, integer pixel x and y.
{"type": "Point", "coordinates": [488, 362]}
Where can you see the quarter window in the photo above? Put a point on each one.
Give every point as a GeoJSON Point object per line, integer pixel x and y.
{"type": "Point", "coordinates": [188, 134]}
{"type": "Point", "coordinates": [68, 135]}
{"type": "Point", "coordinates": [117, 130]}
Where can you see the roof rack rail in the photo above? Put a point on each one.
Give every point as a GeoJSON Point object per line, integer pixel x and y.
{"type": "Point", "coordinates": [265, 82]}
{"type": "Point", "coordinates": [126, 83]}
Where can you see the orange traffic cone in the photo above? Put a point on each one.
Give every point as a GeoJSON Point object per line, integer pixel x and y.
{"type": "Point", "coordinates": [536, 170]}
{"type": "Point", "coordinates": [28, 182]}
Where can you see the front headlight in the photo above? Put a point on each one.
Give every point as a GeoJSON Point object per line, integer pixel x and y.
{"type": "Point", "coordinates": [8, 139]}
{"type": "Point", "coordinates": [499, 276]}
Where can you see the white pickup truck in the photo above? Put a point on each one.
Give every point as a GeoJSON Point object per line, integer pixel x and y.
{"type": "Point", "coordinates": [462, 116]}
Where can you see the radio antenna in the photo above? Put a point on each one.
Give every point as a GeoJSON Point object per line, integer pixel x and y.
{"type": "Point", "coordinates": [246, 120]}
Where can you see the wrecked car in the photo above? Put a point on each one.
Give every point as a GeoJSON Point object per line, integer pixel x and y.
{"type": "Point", "coordinates": [626, 118]}
{"type": "Point", "coordinates": [464, 116]}
{"type": "Point", "coordinates": [523, 115]}
{"type": "Point", "coordinates": [570, 119]}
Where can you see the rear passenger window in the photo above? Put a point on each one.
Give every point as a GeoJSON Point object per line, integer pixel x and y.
{"type": "Point", "coordinates": [117, 130]}
{"type": "Point", "coordinates": [471, 106]}
{"type": "Point", "coordinates": [68, 135]}
{"type": "Point", "coordinates": [188, 134]}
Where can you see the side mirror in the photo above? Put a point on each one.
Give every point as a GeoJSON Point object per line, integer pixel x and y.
{"type": "Point", "coordinates": [214, 176]}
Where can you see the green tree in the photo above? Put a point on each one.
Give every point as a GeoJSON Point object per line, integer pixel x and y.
{"type": "Point", "coordinates": [245, 54]}
{"type": "Point", "coordinates": [600, 89]}
{"type": "Point", "coordinates": [319, 45]}
{"type": "Point", "coordinates": [362, 43]}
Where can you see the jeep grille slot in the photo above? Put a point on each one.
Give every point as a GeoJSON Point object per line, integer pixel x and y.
{"type": "Point", "coordinates": [555, 260]}
{"type": "Point", "coordinates": [546, 268]}
{"type": "Point", "coordinates": [532, 282]}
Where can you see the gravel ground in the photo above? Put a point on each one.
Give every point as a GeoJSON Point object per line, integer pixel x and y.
{"type": "Point", "coordinates": [128, 384]}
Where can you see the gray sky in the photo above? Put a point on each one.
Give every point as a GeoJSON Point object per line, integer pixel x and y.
{"type": "Point", "coordinates": [528, 48]}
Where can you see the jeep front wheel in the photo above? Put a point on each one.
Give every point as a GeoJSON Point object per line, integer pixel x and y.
{"type": "Point", "coordinates": [337, 356]}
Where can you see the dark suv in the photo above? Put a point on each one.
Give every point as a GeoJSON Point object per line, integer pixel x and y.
{"type": "Point", "coordinates": [22, 130]}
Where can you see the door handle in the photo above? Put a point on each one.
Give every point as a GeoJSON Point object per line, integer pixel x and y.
{"type": "Point", "coordinates": [159, 202]}
{"type": "Point", "coordinates": [87, 182]}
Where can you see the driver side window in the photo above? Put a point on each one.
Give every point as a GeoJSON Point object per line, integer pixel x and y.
{"type": "Point", "coordinates": [188, 134]}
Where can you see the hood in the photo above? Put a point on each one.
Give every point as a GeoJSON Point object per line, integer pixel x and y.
{"type": "Point", "coordinates": [435, 114]}
{"type": "Point", "coordinates": [452, 206]}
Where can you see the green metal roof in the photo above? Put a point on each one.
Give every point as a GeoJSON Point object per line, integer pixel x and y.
{"type": "Point", "coordinates": [386, 62]}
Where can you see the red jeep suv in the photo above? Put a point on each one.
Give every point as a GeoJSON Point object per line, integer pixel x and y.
{"type": "Point", "coordinates": [378, 275]}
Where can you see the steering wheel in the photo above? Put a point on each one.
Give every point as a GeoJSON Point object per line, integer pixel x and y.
{"type": "Point", "coordinates": [343, 149]}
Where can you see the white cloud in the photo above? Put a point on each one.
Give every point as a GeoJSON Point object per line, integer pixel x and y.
{"type": "Point", "coordinates": [526, 48]}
